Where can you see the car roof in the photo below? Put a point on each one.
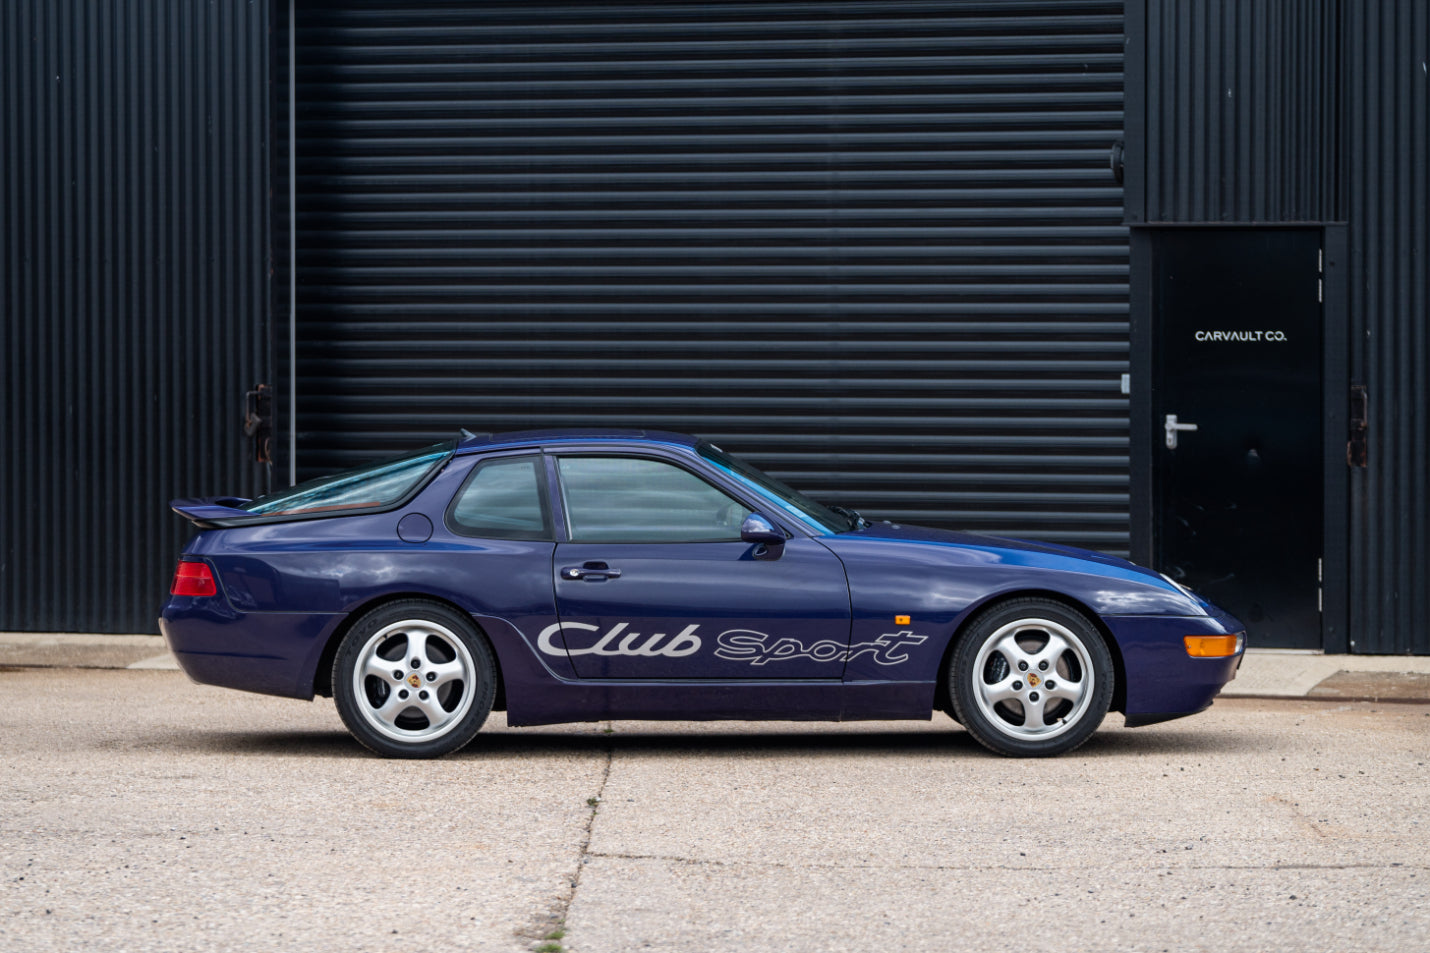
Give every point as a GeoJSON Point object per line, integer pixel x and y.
{"type": "Point", "coordinates": [475, 443]}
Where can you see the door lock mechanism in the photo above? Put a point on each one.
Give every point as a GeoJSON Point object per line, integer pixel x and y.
{"type": "Point", "coordinates": [1171, 427]}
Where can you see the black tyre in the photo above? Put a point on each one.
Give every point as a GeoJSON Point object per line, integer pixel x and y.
{"type": "Point", "coordinates": [1031, 678]}
{"type": "Point", "coordinates": [414, 679]}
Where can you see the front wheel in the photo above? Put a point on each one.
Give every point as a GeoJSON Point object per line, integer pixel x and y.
{"type": "Point", "coordinates": [1031, 678]}
{"type": "Point", "coordinates": [414, 679]}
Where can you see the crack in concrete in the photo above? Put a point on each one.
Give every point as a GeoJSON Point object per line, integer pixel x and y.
{"type": "Point", "coordinates": [590, 824]}
{"type": "Point", "coordinates": [775, 865]}
{"type": "Point", "coordinates": [554, 920]}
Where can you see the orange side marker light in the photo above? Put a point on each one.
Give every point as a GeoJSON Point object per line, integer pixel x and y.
{"type": "Point", "coordinates": [1212, 646]}
{"type": "Point", "coordinates": [902, 620]}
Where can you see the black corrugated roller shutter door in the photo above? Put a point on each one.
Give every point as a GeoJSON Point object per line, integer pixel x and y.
{"type": "Point", "coordinates": [873, 247]}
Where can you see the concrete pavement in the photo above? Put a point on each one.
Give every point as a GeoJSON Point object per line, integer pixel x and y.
{"type": "Point", "coordinates": [1265, 673]}
{"type": "Point", "coordinates": [145, 813]}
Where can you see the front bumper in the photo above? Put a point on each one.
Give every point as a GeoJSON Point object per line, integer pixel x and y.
{"type": "Point", "coordinates": [1163, 681]}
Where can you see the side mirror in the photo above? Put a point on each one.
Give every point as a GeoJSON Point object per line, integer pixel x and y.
{"type": "Point", "coordinates": [757, 529]}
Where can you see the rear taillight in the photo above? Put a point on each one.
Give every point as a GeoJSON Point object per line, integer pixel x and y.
{"type": "Point", "coordinates": [193, 579]}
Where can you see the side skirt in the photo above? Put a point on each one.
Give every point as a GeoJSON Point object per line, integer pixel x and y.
{"type": "Point", "coordinates": [763, 700]}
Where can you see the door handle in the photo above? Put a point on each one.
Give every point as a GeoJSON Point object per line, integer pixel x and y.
{"type": "Point", "coordinates": [590, 571]}
{"type": "Point", "coordinates": [1171, 428]}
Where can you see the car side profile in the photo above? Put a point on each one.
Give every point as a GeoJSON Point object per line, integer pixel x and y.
{"type": "Point", "coordinates": [581, 576]}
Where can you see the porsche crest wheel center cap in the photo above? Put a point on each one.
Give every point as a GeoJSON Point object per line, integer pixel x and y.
{"type": "Point", "coordinates": [1033, 679]}
{"type": "Point", "coordinates": [413, 680]}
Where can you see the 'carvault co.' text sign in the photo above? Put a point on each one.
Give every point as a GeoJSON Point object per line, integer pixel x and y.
{"type": "Point", "coordinates": [1247, 336]}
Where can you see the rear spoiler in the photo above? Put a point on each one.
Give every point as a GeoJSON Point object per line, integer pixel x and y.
{"type": "Point", "coordinates": [223, 512]}
{"type": "Point", "coordinates": [212, 511]}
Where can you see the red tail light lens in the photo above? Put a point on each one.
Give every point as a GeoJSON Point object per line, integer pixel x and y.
{"type": "Point", "coordinates": [193, 579]}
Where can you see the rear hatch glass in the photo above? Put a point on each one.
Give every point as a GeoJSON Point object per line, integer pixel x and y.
{"type": "Point", "coordinates": [373, 486]}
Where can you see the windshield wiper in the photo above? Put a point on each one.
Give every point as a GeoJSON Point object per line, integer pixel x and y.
{"type": "Point", "coordinates": [855, 520]}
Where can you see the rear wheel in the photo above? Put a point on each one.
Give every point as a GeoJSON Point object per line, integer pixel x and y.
{"type": "Point", "coordinates": [1031, 678]}
{"type": "Point", "coordinates": [414, 679]}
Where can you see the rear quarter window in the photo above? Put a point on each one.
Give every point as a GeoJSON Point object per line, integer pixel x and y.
{"type": "Point", "coordinates": [503, 499]}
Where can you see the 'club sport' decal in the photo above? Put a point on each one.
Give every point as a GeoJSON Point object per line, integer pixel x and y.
{"type": "Point", "coordinates": [735, 645]}
{"type": "Point", "coordinates": [686, 643]}
{"type": "Point", "coordinates": [745, 645]}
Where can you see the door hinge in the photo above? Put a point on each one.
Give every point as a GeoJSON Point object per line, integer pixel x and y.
{"type": "Point", "coordinates": [1357, 447]}
{"type": "Point", "coordinates": [258, 422]}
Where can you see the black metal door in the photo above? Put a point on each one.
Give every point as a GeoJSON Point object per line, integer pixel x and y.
{"type": "Point", "coordinates": [1238, 420]}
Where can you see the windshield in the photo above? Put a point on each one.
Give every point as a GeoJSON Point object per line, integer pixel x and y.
{"type": "Point", "coordinates": [791, 500]}
{"type": "Point", "coordinates": [375, 485]}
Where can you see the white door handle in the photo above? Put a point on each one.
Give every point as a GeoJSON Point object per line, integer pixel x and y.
{"type": "Point", "coordinates": [1171, 427]}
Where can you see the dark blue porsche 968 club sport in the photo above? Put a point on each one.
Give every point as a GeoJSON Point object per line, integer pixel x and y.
{"type": "Point", "coordinates": [584, 576]}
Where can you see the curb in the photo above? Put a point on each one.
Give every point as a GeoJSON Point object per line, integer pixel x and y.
{"type": "Point", "coordinates": [1288, 673]}
{"type": "Point", "coordinates": [68, 650]}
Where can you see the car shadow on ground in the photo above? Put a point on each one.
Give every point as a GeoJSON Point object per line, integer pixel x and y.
{"type": "Point", "coordinates": [524, 743]}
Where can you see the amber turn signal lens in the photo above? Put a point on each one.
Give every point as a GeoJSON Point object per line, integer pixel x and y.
{"type": "Point", "coordinates": [1212, 646]}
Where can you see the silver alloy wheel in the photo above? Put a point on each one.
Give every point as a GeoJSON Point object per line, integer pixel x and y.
{"type": "Point", "coordinates": [414, 680]}
{"type": "Point", "coordinates": [1028, 709]}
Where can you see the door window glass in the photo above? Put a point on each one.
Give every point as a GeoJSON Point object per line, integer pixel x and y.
{"type": "Point", "coordinates": [637, 500]}
{"type": "Point", "coordinates": [502, 500]}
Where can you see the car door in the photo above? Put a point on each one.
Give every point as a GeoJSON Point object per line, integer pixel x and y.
{"type": "Point", "coordinates": [653, 581]}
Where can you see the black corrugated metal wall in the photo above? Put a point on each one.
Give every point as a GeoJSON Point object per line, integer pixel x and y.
{"type": "Point", "coordinates": [133, 191]}
{"type": "Point", "coordinates": [1387, 113]}
{"type": "Point", "coordinates": [1241, 105]}
{"type": "Point", "coordinates": [1254, 112]}
{"type": "Point", "coordinates": [874, 247]}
